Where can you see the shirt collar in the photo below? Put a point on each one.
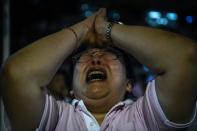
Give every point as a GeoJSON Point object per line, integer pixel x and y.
{"type": "Point", "coordinates": [80, 104]}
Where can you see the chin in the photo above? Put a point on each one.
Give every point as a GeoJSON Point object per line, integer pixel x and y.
{"type": "Point", "coordinates": [97, 91]}
{"type": "Point", "coordinates": [97, 95]}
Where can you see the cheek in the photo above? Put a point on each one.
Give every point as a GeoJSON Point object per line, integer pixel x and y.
{"type": "Point", "coordinates": [76, 73]}
{"type": "Point", "coordinates": [118, 72]}
{"type": "Point", "coordinates": [76, 77]}
{"type": "Point", "coordinates": [119, 81]}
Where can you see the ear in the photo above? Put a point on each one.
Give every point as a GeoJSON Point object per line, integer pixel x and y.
{"type": "Point", "coordinates": [129, 86]}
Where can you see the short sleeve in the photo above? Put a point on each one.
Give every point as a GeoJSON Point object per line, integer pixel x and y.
{"type": "Point", "coordinates": [50, 115]}
{"type": "Point", "coordinates": [153, 114]}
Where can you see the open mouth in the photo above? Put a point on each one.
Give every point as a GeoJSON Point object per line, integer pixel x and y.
{"type": "Point", "coordinates": [96, 75]}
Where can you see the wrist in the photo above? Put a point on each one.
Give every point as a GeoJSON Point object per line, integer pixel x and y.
{"type": "Point", "coordinates": [80, 30]}
{"type": "Point", "coordinates": [108, 31]}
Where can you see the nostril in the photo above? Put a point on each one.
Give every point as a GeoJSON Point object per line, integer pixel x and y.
{"type": "Point", "coordinates": [96, 62]}
{"type": "Point", "coordinates": [93, 62]}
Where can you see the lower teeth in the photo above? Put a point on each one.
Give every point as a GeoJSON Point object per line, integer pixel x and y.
{"type": "Point", "coordinates": [96, 80]}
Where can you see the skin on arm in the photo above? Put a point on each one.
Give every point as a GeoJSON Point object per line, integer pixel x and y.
{"type": "Point", "coordinates": [173, 57]}
{"type": "Point", "coordinates": [31, 68]}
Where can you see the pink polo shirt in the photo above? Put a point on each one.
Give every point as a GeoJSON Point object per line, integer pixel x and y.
{"type": "Point", "coordinates": [143, 115]}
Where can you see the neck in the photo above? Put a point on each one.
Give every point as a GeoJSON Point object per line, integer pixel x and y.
{"type": "Point", "coordinates": [98, 107]}
{"type": "Point", "coordinates": [99, 117]}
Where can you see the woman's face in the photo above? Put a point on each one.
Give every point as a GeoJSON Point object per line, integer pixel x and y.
{"type": "Point", "coordinates": [99, 76]}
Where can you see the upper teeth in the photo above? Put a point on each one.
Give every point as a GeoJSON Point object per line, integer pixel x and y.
{"type": "Point", "coordinates": [95, 72]}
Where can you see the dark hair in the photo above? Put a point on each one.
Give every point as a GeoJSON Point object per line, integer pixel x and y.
{"type": "Point", "coordinates": [128, 60]}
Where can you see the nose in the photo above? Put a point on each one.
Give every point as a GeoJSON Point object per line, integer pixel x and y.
{"type": "Point", "coordinates": [96, 57]}
{"type": "Point", "coordinates": [96, 61]}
